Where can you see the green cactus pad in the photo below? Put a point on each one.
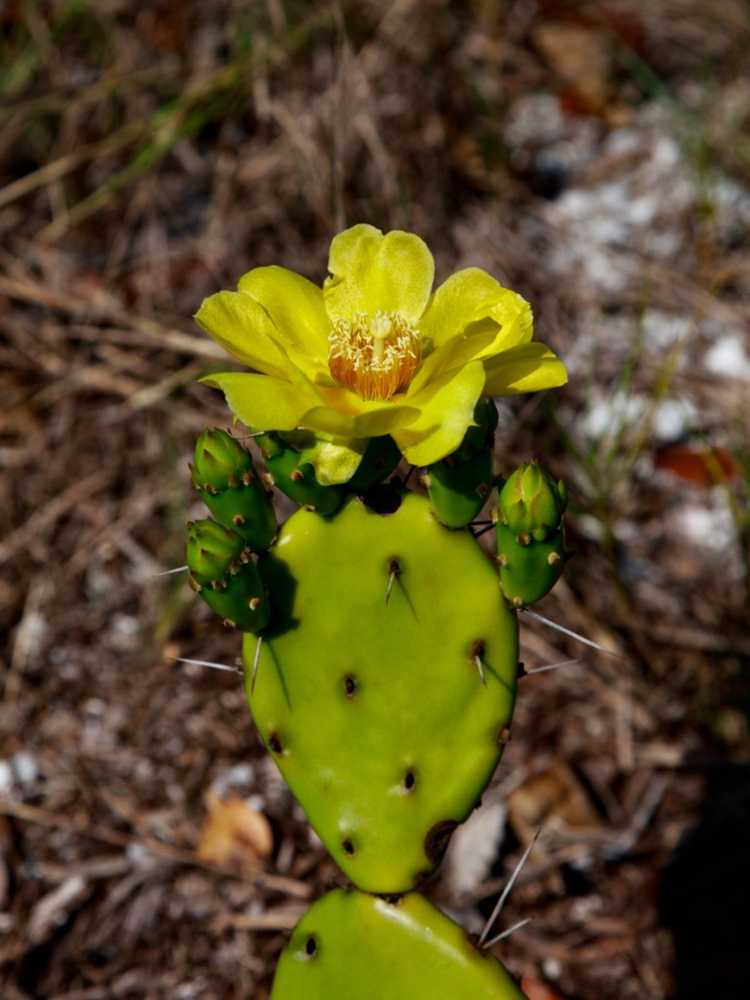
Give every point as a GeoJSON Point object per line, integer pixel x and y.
{"type": "Point", "coordinates": [297, 478]}
{"type": "Point", "coordinates": [225, 573]}
{"type": "Point", "coordinates": [459, 489]}
{"type": "Point", "coordinates": [458, 486]}
{"type": "Point", "coordinates": [374, 709]}
{"type": "Point", "coordinates": [224, 475]}
{"type": "Point", "coordinates": [379, 460]}
{"type": "Point", "coordinates": [350, 946]}
{"type": "Point", "coordinates": [528, 572]}
{"type": "Point", "coordinates": [482, 434]}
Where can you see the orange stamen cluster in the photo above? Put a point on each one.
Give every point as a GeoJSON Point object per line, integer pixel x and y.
{"type": "Point", "coordinates": [376, 356]}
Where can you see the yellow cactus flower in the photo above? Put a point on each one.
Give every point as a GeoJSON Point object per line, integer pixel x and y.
{"type": "Point", "coordinates": [375, 351]}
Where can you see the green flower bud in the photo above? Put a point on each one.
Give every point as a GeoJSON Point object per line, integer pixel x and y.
{"type": "Point", "coordinates": [220, 461]}
{"type": "Point", "coordinates": [531, 502]}
{"type": "Point", "coordinates": [211, 551]}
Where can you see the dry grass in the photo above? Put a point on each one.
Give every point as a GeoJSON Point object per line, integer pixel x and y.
{"type": "Point", "coordinates": [149, 154]}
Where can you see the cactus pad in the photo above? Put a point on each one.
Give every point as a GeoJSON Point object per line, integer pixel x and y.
{"type": "Point", "coordinates": [459, 484]}
{"type": "Point", "coordinates": [358, 947]}
{"type": "Point", "coordinates": [529, 571]}
{"type": "Point", "coordinates": [385, 694]}
{"type": "Point", "coordinates": [459, 489]}
{"type": "Point", "coordinates": [225, 573]}
{"type": "Point", "coordinates": [224, 475]}
{"type": "Point", "coordinates": [295, 477]}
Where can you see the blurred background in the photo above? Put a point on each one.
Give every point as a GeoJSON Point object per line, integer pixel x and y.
{"type": "Point", "coordinates": [593, 156]}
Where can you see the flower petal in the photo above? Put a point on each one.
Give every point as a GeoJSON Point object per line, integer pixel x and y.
{"type": "Point", "coordinates": [526, 368]}
{"type": "Point", "coordinates": [244, 329]}
{"type": "Point", "coordinates": [447, 406]}
{"type": "Point", "coordinates": [384, 420]}
{"type": "Point", "coordinates": [469, 296]}
{"type": "Point", "coordinates": [373, 420]}
{"type": "Point", "coordinates": [296, 307]}
{"type": "Point", "coordinates": [454, 353]}
{"type": "Point", "coordinates": [263, 402]}
{"type": "Point", "coordinates": [335, 460]}
{"type": "Point", "coordinates": [371, 272]}
{"type": "Point", "coordinates": [327, 420]}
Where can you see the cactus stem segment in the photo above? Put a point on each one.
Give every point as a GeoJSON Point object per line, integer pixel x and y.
{"type": "Point", "coordinates": [483, 943]}
{"type": "Point", "coordinates": [256, 661]}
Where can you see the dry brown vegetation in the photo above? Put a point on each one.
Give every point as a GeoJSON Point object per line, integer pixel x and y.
{"type": "Point", "coordinates": [594, 156]}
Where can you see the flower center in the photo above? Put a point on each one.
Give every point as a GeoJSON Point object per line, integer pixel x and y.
{"type": "Point", "coordinates": [376, 356]}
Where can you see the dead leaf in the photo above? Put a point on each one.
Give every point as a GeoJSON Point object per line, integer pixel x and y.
{"type": "Point", "coordinates": [234, 831]}
{"type": "Point", "coordinates": [697, 465]}
{"type": "Point", "coordinates": [553, 794]}
{"type": "Point", "coordinates": [579, 56]}
{"type": "Point", "coordinates": [535, 990]}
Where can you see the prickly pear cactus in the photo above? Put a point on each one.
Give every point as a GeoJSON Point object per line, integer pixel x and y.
{"type": "Point", "coordinates": [359, 947]}
{"type": "Point", "coordinates": [381, 643]}
{"type": "Point", "coordinates": [386, 694]}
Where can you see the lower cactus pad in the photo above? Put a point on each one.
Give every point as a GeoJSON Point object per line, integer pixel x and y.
{"type": "Point", "coordinates": [350, 946]}
{"type": "Point", "coordinates": [385, 695]}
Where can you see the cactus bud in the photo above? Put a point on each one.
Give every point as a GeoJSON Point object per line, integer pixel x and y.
{"type": "Point", "coordinates": [531, 502]}
{"type": "Point", "coordinates": [211, 550]}
{"type": "Point", "coordinates": [220, 460]}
